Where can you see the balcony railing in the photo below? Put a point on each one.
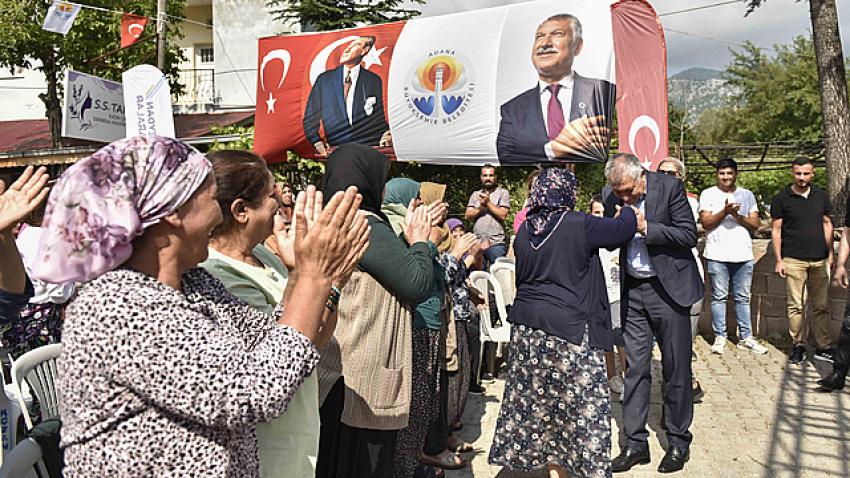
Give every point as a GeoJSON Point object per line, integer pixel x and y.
{"type": "Point", "coordinates": [198, 87]}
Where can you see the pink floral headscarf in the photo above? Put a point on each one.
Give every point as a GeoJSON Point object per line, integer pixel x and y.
{"type": "Point", "coordinates": [103, 202]}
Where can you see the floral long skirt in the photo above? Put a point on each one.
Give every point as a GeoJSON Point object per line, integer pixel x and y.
{"type": "Point", "coordinates": [556, 407]}
{"type": "Point", "coordinates": [424, 404]}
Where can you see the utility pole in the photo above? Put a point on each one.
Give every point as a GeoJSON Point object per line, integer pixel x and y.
{"type": "Point", "coordinates": [160, 34]}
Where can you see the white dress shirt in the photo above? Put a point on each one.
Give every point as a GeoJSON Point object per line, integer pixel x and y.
{"type": "Point", "coordinates": [638, 262]}
{"type": "Point", "coordinates": [565, 96]}
{"type": "Point", "coordinates": [349, 102]}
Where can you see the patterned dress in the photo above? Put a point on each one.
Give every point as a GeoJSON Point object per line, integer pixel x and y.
{"type": "Point", "coordinates": [159, 382]}
{"type": "Point", "coordinates": [556, 406]}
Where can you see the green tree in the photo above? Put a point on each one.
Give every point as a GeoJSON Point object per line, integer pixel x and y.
{"type": "Point", "coordinates": [23, 43]}
{"type": "Point", "coordinates": [334, 14]}
{"type": "Point", "coordinates": [832, 81]}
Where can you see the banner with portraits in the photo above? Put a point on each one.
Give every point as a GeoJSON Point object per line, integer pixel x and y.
{"type": "Point", "coordinates": [516, 85]}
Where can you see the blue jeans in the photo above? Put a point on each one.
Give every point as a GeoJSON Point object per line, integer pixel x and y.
{"type": "Point", "coordinates": [494, 252]}
{"type": "Point", "coordinates": [741, 274]}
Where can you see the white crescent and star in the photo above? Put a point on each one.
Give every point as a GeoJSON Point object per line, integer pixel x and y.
{"type": "Point", "coordinates": [638, 124]}
{"type": "Point", "coordinates": [286, 59]}
{"type": "Point", "coordinates": [133, 26]}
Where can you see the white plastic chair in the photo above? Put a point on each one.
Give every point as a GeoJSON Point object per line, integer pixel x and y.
{"type": "Point", "coordinates": [23, 461]}
{"type": "Point", "coordinates": [504, 260]}
{"type": "Point", "coordinates": [485, 282]}
{"type": "Point", "coordinates": [38, 368]}
{"type": "Point", "coordinates": [505, 274]}
{"type": "Point", "coordinates": [10, 412]}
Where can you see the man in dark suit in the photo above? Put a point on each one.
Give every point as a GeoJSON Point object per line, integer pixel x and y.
{"type": "Point", "coordinates": [348, 101]}
{"type": "Point", "coordinates": [659, 283]}
{"type": "Point", "coordinates": [564, 116]}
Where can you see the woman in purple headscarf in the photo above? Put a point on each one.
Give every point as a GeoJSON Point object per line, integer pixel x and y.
{"type": "Point", "coordinates": [556, 407]}
{"type": "Point", "coordinates": [163, 371]}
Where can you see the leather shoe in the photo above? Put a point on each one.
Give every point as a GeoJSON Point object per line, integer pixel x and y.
{"type": "Point", "coordinates": [674, 460]}
{"type": "Point", "coordinates": [630, 457]}
{"type": "Point", "coordinates": [833, 381]}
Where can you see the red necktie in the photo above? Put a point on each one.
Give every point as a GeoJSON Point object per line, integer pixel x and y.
{"type": "Point", "coordinates": [554, 113]}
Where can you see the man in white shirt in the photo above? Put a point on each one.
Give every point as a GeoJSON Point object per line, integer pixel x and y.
{"type": "Point", "coordinates": [729, 214]}
{"type": "Point", "coordinates": [564, 116]}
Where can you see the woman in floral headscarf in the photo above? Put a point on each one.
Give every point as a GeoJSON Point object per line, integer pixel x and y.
{"type": "Point", "coordinates": [556, 407]}
{"type": "Point", "coordinates": [164, 372]}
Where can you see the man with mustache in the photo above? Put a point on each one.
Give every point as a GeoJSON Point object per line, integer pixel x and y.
{"type": "Point", "coordinates": [348, 101]}
{"type": "Point", "coordinates": [565, 116]}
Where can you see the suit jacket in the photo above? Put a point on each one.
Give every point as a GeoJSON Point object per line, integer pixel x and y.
{"type": "Point", "coordinates": [671, 233]}
{"type": "Point", "coordinates": [326, 105]}
{"type": "Point", "coordinates": [522, 130]}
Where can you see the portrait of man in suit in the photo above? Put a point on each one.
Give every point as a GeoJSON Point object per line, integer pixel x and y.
{"type": "Point", "coordinates": [348, 102]}
{"type": "Point", "coordinates": [564, 116]}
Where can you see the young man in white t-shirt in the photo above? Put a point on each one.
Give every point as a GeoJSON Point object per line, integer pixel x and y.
{"type": "Point", "coordinates": [729, 214]}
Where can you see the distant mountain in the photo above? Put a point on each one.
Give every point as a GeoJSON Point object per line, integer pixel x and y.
{"type": "Point", "coordinates": [697, 90]}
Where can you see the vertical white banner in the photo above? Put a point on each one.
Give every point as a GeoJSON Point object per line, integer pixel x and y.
{"type": "Point", "coordinates": [147, 102]}
{"type": "Point", "coordinates": [442, 85]}
{"type": "Point", "coordinates": [94, 108]}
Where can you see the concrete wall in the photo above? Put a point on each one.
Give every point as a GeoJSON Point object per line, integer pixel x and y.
{"type": "Point", "coordinates": [238, 25]}
{"type": "Point", "coordinates": [194, 34]}
{"type": "Point", "coordinates": [767, 304]}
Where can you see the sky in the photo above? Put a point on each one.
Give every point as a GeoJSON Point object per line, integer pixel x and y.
{"type": "Point", "coordinates": [777, 21]}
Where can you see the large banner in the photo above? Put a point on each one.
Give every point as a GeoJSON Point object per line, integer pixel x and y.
{"type": "Point", "coordinates": [93, 108]}
{"type": "Point", "coordinates": [515, 85]}
{"type": "Point", "coordinates": [147, 98]}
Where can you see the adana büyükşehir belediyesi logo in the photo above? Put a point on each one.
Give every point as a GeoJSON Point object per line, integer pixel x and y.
{"type": "Point", "coordinates": [441, 87]}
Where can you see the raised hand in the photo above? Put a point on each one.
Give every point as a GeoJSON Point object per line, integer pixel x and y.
{"type": "Point", "coordinates": [310, 202]}
{"type": "Point", "coordinates": [321, 249]}
{"type": "Point", "coordinates": [463, 244]}
{"type": "Point", "coordinates": [22, 197]}
{"type": "Point", "coordinates": [417, 224]}
{"type": "Point", "coordinates": [358, 236]}
{"type": "Point", "coordinates": [437, 211]}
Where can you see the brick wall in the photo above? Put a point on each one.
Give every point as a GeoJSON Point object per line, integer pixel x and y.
{"type": "Point", "coordinates": [767, 303]}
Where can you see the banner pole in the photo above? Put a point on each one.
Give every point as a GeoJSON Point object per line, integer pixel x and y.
{"type": "Point", "coordinates": [160, 29]}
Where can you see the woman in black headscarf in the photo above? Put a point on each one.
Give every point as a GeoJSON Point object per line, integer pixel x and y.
{"type": "Point", "coordinates": [365, 372]}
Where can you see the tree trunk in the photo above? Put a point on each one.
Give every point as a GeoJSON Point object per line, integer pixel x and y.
{"type": "Point", "coordinates": [51, 98]}
{"type": "Point", "coordinates": [836, 110]}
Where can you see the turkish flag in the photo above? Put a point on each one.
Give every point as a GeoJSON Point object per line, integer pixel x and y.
{"type": "Point", "coordinates": [132, 27]}
{"type": "Point", "coordinates": [641, 61]}
{"type": "Point", "coordinates": [288, 67]}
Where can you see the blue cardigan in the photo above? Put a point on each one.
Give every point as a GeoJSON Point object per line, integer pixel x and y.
{"type": "Point", "coordinates": [561, 285]}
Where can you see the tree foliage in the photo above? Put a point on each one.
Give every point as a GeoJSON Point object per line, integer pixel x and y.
{"type": "Point", "coordinates": [778, 97]}
{"type": "Point", "coordinates": [23, 43]}
{"type": "Point", "coordinates": [334, 14]}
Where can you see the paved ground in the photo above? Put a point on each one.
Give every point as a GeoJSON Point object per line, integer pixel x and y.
{"type": "Point", "coordinates": [760, 418]}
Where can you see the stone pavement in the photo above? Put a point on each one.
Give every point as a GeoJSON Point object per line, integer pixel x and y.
{"type": "Point", "coordinates": [760, 418]}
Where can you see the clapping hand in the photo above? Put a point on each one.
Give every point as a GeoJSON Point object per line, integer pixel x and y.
{"type": "Point", "coordinates": [323, 249]}
{"type": "Point", "coordinates": [438, 211]}
{"type": "Point", "coordinates": [22, 197]}
{"type": "Point", "coordinates": [731, 208]}
{"type": "Point", "coordinates": [417, 224]}
{"type": "Point", "coordinates": [463, 244]}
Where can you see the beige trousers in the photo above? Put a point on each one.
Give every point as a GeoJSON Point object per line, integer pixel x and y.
{"type": "Point", "coordinates": [808, 278]}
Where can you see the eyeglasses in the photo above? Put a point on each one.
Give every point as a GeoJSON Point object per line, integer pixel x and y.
{"type": "Point", "coordinates": [668, 172]}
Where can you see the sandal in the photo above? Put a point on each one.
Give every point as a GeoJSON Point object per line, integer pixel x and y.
{"type": "Point", "coordinates": [449, 461]}
{"type": "Point", "coordinates": [459, 446]}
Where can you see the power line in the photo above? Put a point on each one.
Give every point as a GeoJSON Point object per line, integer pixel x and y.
{"type": "Point", "coordinates": [703, 7]}
{"type": "Point", "coordinates": [175, 17]}
{"type": "Point", "coordinates": [742, 45]}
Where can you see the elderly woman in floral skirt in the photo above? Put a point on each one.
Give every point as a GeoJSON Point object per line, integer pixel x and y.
{"type": "Point", "coordinates": [556, 408]}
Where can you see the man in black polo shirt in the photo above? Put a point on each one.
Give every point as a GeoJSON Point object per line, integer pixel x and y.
{"type": "Point", "coordinates": [802, 245]}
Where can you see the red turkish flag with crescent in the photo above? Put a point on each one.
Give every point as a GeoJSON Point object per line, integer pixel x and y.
{"type": "Point", "coordinates": [288, 67]}
{"type": "Point", "coordinates": [641, 63]}
{"type": "Point", "coordinates": [132, 27]}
